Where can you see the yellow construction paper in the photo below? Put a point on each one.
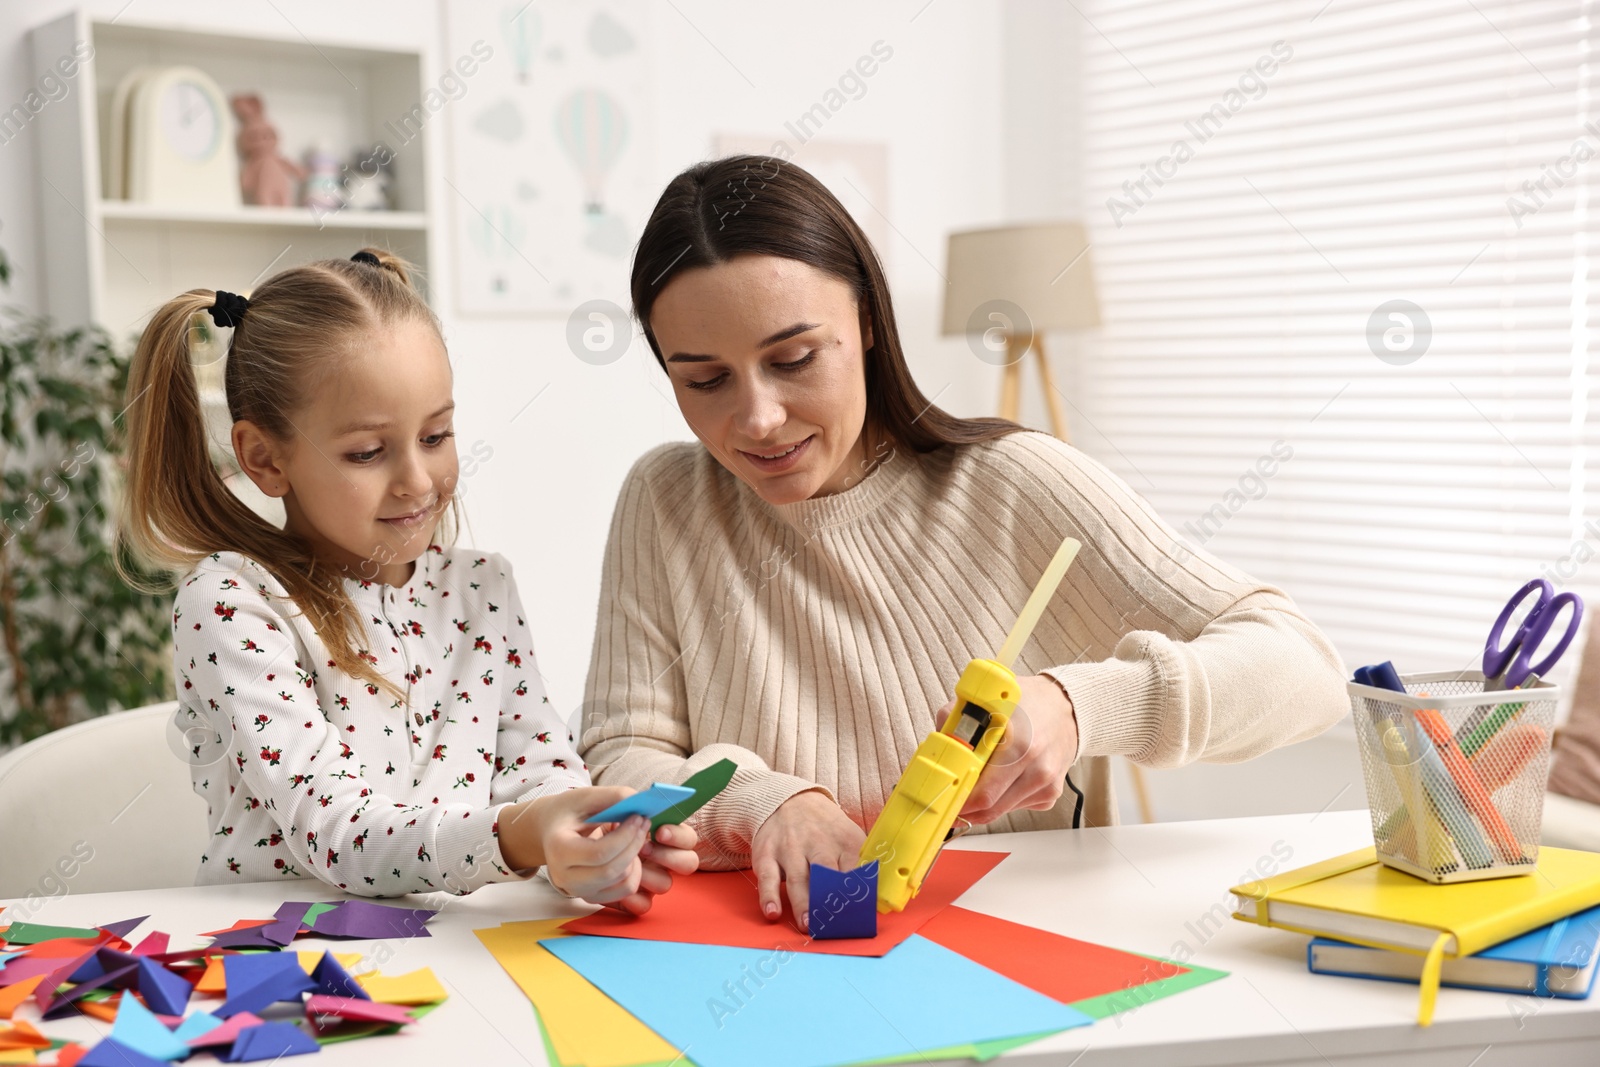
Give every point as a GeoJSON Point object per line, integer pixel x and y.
{"type": "Point", "coordinates": [583, 1024]}
{"type": "Point", "coordinates": [417, 987]}
{"type": "Point", "coordinates": [19, 1055]}
{"type": "Point", "coordinates": [310, 958]}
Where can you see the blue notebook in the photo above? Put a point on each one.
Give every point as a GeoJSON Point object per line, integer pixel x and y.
{"type": "Point", "coordinates": [1553, 961]}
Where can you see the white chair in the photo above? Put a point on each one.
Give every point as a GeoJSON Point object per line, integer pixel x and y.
{"type": "Point", "coordinates": [102, 805]}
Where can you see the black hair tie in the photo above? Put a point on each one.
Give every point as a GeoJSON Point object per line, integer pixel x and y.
{"type": "Point", "coordinates": [229, 309]}
{"type": "Point", "coordinates": [364, 256]}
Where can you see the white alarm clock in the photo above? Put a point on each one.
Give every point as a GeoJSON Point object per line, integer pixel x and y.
{"type": "Point", "coordinates": [179, 147]}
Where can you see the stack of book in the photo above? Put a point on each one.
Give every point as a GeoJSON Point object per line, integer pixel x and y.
{"type": "Point", "coordinates": [1533, 934]}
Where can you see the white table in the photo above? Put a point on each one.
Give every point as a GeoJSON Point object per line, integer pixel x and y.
{"type": "Point", "coordinates": [1141, 888]}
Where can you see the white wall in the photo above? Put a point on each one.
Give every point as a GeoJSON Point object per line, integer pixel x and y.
{"type": "Point", "coordinates": [545, 497]}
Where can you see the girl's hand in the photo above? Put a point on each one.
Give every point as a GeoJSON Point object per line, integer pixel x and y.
{"type": "Point", "coordinates": [807, 828]}
{"type": "Point", "coordinates": [1028, 769]}
{"type": "Point", "coordinates": [672, 852]}
{"type": "Point", "coordinates": [581, 859]}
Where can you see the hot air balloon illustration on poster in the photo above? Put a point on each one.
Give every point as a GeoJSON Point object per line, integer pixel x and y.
{"type": "Point", "coordinates": [592, 129]}
{"type": "Point", "coordinates": [559, 184]}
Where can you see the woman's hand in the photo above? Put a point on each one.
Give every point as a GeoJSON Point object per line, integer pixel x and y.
{"type": "Point", "coordinates": [807, 828]}
{"type": "Point", "coordinates": [1028, 769]}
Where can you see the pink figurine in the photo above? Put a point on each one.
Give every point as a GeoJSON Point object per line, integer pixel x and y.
{"type": "Point", "coordinates": [265, 177]}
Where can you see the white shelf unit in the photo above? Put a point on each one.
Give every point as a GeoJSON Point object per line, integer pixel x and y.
{"type": "Point", "coordinates": [113, 262]}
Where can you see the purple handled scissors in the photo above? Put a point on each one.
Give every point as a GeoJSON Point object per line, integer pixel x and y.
{"type": "Point", "coordinates": [1508, 666]}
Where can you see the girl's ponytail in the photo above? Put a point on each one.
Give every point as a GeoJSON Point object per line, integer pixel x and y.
{"type": "Point", "coordinates": [175, 501]}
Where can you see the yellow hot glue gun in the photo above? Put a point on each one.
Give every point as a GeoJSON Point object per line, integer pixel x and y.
{"type": "Point", "coordinates": [921, 812]}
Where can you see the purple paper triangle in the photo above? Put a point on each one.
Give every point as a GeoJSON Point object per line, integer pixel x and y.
{"type": "Point", "coordinates": [125, 927]}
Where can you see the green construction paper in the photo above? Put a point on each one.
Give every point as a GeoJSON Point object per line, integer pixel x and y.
{"type": "Point", "coordinates": [316, 910]}
{"type": "Point", "coordinates": [1110, 1004]}
{"type": "Point", "coordinates": [358, 1031]}
{"type": "Point", "coordinates": [706, 784]}
{"type": "Point", "coordinates": [21, 933]}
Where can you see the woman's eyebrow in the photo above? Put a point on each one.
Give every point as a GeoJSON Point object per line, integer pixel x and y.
{"type": "Point", "coordinates": [782, 335]}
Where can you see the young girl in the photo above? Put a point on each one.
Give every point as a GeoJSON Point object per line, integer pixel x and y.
{"type": "Point", "coordinates": [381, 721]}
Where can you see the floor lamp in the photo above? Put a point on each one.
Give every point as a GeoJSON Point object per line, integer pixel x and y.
{"type": "Point", "coordinates": [1005, 289]}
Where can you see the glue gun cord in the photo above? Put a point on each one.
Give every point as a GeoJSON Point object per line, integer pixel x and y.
{"type": "Point", "coordinates": [1077, 804]}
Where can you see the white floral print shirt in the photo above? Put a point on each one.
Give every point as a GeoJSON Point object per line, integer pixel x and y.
{"type": "Point", "coordinates": [308, 772]}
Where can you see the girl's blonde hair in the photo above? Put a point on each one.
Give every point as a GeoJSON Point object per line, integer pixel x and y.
{"type": "Point", "coordinates": [176, 507]}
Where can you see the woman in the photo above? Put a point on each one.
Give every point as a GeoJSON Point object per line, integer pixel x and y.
{"type": "Point", "coordinates": [799, 591]}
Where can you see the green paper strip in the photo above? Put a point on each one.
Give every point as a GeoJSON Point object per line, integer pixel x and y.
{"type": "Point", "coordinates": [21, 933]}
{"type": "Point", "coordinates": [1109, 1004]}
{"type": "Point", "coordinates": [316, 910]}
{"type": "Point", "coordinates": [706, 784]}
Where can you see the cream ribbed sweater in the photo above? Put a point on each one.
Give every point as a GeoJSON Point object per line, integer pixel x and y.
{"type": "Point", "coordinates": [812, 643]}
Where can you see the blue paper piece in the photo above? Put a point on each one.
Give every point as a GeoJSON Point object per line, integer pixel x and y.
{"type": "Point", "coordinates": [136, 1028]}
{"type": "Point", "coordinates": [196, 1025]}
{"type": "Point", "coordinates": [843, 903]}
{"type": "Point", "coordinates": [165, 992]}
{"type": "Point", "coordinates": [650, 803]}
{"type": "Point", "coordinates": [256, 980]}
{"type": "Point", "coordinates": [335, 981]}
{"type": "Point", "coordinates": [736, 1006]}
{"type": "Point", "coordinates": [7, 956]}
{"type": "Point", "coordinates": [269, 1041]}
{"type": "Point", "coordinates": [109, 1053]}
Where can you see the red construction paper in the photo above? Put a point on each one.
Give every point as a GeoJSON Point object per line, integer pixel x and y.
{"type": "Point", "coordinates": [1061, 968]}
{"type": "Point", "coordinates": [720, 908]}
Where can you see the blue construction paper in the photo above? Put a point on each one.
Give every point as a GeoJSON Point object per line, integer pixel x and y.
{"type": "Point", "coordinates": [136, 1028]}
{"type": "Point", "coordinates": [109, 1053]}
{"type": "Point", "coordinates": [6, 956]}
{"type": "Point", "coordinates": [269, 1041]}
{"type": "Point", "coordinates": [650, 803]}
{"type": "Point", "coordinates": [196, 1025]}
{"type": "Point", "coordinates": [843, 903]}
{"type": "Point", "coordinates": [365, 920]}
{"type": "Point", "coordinates": [256, 980]}
{"type": "Point", "coordinates": [730, 1007]}
{"type": "Point", "coordinates": [335, 981]}
{"type": "Point", "coordinates": [165, 992]}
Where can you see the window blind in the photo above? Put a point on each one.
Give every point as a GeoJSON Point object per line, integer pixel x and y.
{"type": "Point", "coordinates": [1261, 183]}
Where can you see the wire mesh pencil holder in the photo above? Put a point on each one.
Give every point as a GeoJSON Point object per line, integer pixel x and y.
{"type": "Point", "coordinates": [1473, 764]}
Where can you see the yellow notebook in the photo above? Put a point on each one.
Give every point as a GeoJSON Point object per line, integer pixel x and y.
{"type": "Point", "coordinates": [1355, 898]}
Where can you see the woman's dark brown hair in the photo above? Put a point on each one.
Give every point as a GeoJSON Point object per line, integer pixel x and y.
{"type": "Point", "coordinates": [761, 205]}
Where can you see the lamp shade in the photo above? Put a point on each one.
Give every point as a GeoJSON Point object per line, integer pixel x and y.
{"type": "Point", "coordinates": [1043, 269]}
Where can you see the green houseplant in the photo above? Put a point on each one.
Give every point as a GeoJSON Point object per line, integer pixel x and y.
{"type": "Point", "coordinates": [75, 639]}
